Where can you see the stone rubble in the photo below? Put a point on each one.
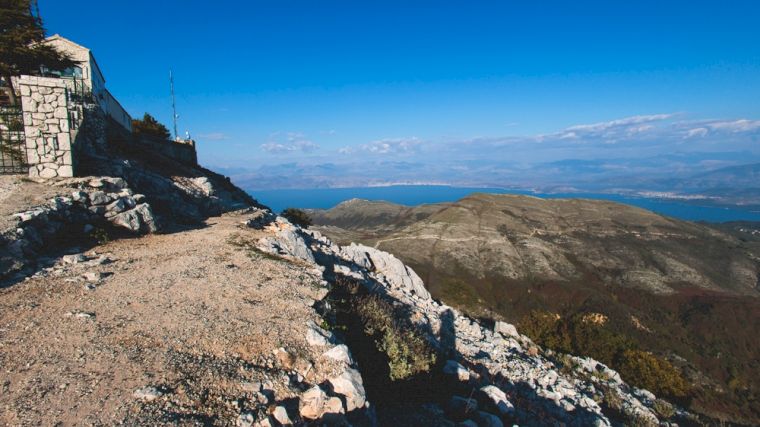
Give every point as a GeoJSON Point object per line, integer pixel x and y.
{"type": "Point", "coordinates": [514, 380]}
{"type": "Point", "coordinates": [94, 200]}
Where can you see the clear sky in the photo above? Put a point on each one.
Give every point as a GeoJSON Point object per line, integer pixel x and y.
{"type": "Point", "coordinates": [312, 82]}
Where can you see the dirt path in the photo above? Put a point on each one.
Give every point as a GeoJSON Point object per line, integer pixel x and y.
{"type": "Point", "coordinates": [191, 314]}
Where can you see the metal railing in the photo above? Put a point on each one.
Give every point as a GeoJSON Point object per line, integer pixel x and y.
{"type": "Point", "coordinates": [13, 158]}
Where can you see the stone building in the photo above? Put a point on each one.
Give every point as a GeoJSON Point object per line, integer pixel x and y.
{"type": "Point", "coordinates": [55, 105]}
{"type": "Point", "coordinates": [87, 77]}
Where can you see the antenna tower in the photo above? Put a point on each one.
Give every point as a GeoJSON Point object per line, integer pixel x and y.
{"type": "Point", "coordinates": [175, 116]}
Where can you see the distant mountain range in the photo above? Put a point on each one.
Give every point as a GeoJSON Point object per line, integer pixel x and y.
{"type": "Point", "coordinates": [686, 291]}
{"type": "Point", "coordinates": [701, 174]}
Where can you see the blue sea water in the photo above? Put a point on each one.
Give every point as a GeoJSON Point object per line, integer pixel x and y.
{"type": "Point", "coordinates": [412, 195]}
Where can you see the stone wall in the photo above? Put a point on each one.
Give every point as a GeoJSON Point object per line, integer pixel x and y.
{"type": "Point", "coordinates": [58, 129]}
{"type": "Point", "coordinates": [182, 151]}
{"type": "Point", "coordinates": [50, 133]}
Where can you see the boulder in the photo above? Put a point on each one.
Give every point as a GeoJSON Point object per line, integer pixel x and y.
{"type": "Point", "coordinates": [454, 368]}
{"type": "Point", "coordinates": [495, 399]}
{"type": "Point", "coordinates": [505, 329]}
{"type": "Point", "coordinates": [73, 259]}
{"type": "Point", "coordinates": [339, 353]}
{"type": "Point", "coordinates": [349, 385]}
{"type": "Point", "coordinates": [316, 336]}
{"type": "Point", "coordinates": [312, 403]}
{"type": "Point", "coordinates": [395, 272]}
{"type": "Point", "coordinates": [281, 415]}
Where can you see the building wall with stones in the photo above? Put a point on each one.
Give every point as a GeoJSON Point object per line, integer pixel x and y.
{"type": "Point", "coordinates": [50, 122]}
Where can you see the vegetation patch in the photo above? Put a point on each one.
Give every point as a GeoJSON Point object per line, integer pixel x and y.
{"type": "Point", "coordinates": [401, 369]}
{"type": "Point", "coordinates": [576, 335]}
{"type": "Point", "coordinates": [297, 217]}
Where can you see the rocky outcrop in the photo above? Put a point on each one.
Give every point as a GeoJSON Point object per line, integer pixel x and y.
{"type": "Point", "coordinates": [514, 380]}
{"type": "Point", "coordinates": [90, 202]}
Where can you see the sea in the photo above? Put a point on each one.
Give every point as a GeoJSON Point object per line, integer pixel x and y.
{"type": "Point", "coordinates": [413, 195]}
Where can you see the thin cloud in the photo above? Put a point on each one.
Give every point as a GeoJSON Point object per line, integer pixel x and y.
{"type": "Point", "coordinates": [612, 131]}
{"type": "Point", "coordinates": [386, 146]}
{"type": "Point", "coordinates": [393, 146]}
{"type": "Point", "coordinates": [289, 142]}
{"type": "Point", "coordinates": [625, 122]}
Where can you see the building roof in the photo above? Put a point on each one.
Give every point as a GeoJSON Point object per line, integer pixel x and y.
{"type": "Point", "coordinates": [58, 37]}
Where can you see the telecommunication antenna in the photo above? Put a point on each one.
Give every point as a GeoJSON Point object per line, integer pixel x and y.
{"type": "Point", "coordinates": [175, 116]}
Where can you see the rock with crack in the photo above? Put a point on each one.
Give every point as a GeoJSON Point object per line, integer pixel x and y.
{"type": "Point", "coordinates": [349, 385]}
{"type": "Point", "coordinates": [496, 400]}
{"type": "Point", "coordinates": [312, 403]}
{"type": "Point", "coordinates": [382, 263]}
{"type": "Point", "coordinates": [339, 353]}
{"type": "Point", "coordinates": [316, 336]}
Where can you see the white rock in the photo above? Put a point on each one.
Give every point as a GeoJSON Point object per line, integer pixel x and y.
{"type": "Point", "coordinates": [92, 276]}
{"type": "Point", "coordinates": [349, 384]}
{"type": "Point", "coordinates": [333, 406]}
{"type": "Point", "coordinates": [147, 394]}
{"type": "Point", "coordinates": [316, 336]}
{"type": "Point", "coordinates": [505, 329]}
{"type": "Point", "coordinates": [498, 399]}
{"type": "Point", "coordinates": [374, 260]}
{"type": "Point", "coordinates": [73, 259]}
{"type": "Point", "coordinates": [281, 415]}
{"type": "Point", "coordinates": [312, 403]}
{"type": "Point", "coordinates": [339, 353]}
{"type": "Point", "coordinates": [99, 198]}
{"type": "Point", "coordinates": [454, 368]}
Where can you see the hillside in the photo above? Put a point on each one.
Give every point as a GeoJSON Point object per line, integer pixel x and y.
{"type": "Point", "coordinates": [157, 293]}
{"type": "Point", "coordinates": [686, 291]}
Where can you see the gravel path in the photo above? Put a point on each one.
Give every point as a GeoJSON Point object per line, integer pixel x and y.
{"type": "Point", "coordinates": [195, 315]}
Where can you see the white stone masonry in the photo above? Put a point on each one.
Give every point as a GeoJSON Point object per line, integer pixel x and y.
{"type": "Point", "coordinates": [49, 133]}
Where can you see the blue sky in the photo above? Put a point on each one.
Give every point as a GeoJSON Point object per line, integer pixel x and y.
{"type": "Point", "coordinates": [268, 83]}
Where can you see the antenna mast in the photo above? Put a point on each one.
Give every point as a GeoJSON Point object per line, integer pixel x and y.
{"type": "Point", "coordinates": [174, 105]}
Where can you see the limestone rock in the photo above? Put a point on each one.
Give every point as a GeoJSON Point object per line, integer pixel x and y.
{"type": "Point", "coordinates": [281, 415]}
{"type": "Point", "coordinates": [245, 419]}
{"type": "Point", "coordinates": [374, 260]}
{"type": "Point", "coordinates": [339, 353]}
{"type": "Point", "coordinates": [316, 336]}
{"type": "Point", "coordinates": [497, 399]}
{"type": "Point", "coordinates": [349, 384]}
{"type": "Point", "coordinates": [73, 259]}
{"type": "Point", "coordinates": [454, 368]}
{"type": "Point", "coordinates": [312, 403]}
{"type": "Point", "coordinates": [147, 394]}
{"type": "Point", "coordinates": [505, 329]}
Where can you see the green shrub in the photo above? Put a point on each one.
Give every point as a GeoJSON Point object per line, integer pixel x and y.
{"type": "Point", "coordinates": [408, 353]}
{"type": "Point", "coordinates": [297, 217]}
{"type": "Point", "coordinates": [664, 409]}
{"type": "Point", "coordinates": [652, 373]}
{"type": "Point", "coordinates": [149, 127]}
